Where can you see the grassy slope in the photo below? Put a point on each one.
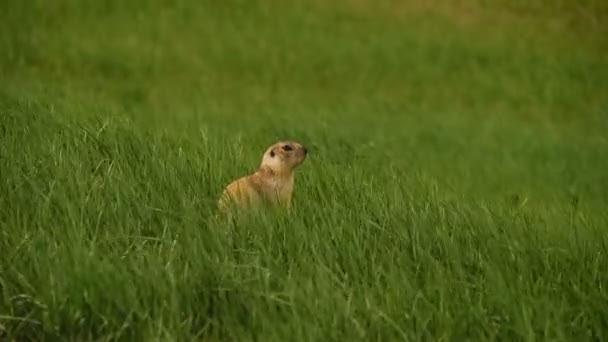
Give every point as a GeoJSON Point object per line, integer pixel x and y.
{"type": "Point", "coordinates": [456, 185]}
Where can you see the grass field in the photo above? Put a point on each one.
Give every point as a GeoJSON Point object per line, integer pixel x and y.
{"type": "Point", "coordinates": [456, 189]}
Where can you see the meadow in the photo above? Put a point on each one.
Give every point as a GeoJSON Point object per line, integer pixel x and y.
{"type": "Point", "coordinates": [456, 187]}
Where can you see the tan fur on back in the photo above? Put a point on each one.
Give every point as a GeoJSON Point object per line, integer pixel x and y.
{"type": "Point", "coordinates": [272, 183]}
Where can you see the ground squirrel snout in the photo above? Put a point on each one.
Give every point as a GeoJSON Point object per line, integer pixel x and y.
{"type": "Point", "coordinates": [272, 183]}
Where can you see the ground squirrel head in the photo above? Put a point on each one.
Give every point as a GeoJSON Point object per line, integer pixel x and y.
{"type": "Point", "coordinates": [284, 156]}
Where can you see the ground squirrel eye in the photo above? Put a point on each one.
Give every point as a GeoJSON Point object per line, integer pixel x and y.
{"type": "Point", "coordinates": [287, 148]}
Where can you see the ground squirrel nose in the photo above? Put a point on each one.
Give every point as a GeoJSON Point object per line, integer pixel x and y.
{"type": "Point", "coordinates": [305, 150]}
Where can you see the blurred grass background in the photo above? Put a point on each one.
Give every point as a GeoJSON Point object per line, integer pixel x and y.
{"type": "Point", "coordinates": [456, 187]}
{"type": "Point", "coordinates": [487, 74]}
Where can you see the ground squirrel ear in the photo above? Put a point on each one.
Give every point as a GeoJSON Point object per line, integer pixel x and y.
{"type": "Point", "coordinates": [272, 153]}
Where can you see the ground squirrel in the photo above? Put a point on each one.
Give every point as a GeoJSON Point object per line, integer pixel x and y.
{"type": "Point", "coordinates": [272, 183]}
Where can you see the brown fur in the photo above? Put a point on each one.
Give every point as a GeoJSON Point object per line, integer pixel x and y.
{"type": "Point", "coordinates": [271, 184]}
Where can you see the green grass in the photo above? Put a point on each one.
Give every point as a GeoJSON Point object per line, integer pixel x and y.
{"type": "Point", "coordinates": [456, 188]}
